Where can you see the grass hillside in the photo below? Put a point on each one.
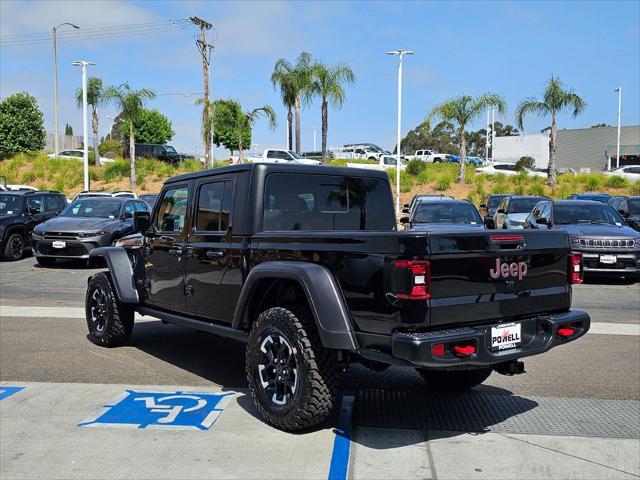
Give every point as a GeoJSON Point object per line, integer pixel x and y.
{"type": "Point", "coordinates": [66, 176]}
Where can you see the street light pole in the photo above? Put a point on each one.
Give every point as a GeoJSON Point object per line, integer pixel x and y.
{"type": "Point", "coordinates": [314, 139]}
{"type": "Point", "coordinates": [83, 64]}
{"type": "Point", "coordinates": [400, 53]}
{"type": "Point", "coordinates": [56, 146]}
{"type": "Point", "coordinates": [110, 118]}
{"type": "Point", "coordinates": [619, 91]}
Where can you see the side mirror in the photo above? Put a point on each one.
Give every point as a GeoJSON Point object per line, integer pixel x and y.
{"type": "Point", "coordinates": [542, 221]}
{"type": "Point", "coordinates": [141, 222]}
{"type": "Point", "coordinates": [406, 205]}
{"type": "Point", "coordinates": [127, 215]}
{"type": "Point", "coordinates": [623, 212]}
{"type": "Point", "coordinates": [501, 210]}
{"type": "Point", "coordinates": [405, 210]}
{"type": "Point", "coordinates": [483, 205]}
{"type": "Point", "coordinates": [404, 219]}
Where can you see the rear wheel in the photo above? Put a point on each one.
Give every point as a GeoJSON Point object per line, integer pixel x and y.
{"type": "Point", "coordinates": [45, 261]}
{"type": "Point", "coordinates": [455, 380]}
{"type": "Point", "coordinates": [292, 377]}
{"type": "Point", "coordinates": [14, 248]}
{"type": "Point", "coordinates": [109, 321]}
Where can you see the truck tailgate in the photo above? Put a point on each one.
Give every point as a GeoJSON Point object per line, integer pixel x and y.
{"type": "Point", "coordinates": [482, 276]}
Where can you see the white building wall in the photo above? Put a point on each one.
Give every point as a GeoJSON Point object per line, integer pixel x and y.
{"type": "Point", "coordinates": [510, 149]}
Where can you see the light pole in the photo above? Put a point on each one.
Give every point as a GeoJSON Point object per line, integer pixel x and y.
{"type": "Point", "coordinates": [399, 53]}
{"type": "Point", "coordinates": [486, 143]}
{"type": "Point", "coordinates": [314, 139]}
{"type": "Point", "coordinates": [110, 118]}
{"type": "Point", "coordinates": [55, 89]}
{"type": "Point", "coordinates": [83, 64]}
{"type": "Point", "coordinates": [619, 91]}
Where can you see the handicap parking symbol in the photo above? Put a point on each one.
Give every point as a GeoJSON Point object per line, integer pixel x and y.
{"type": "Point", "coordinates": [8, 391]}
{"type": "Point", "coordinates": [170, 410]}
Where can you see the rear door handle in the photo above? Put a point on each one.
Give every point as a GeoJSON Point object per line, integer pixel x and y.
{"type": "Point", "coordinates": [213, 254]}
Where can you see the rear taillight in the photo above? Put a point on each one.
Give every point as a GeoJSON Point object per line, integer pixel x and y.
{"type": "Point", "coordinates": [574, 275]}
{"type": "Point", "coordinates": [412, 279]}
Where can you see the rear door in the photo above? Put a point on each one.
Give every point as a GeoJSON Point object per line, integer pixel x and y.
{"type": "Point", "coordinates": [480, 277]}
{"type": "Point", "coordinates": [208, 252]}
{"type": "Point", "coordinates": [164, 264]}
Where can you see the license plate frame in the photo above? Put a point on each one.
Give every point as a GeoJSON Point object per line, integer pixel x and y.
{"type": "Point", "coordinates": [506, 336]}
{"type": "Point", "coordinates": [608, 259]}
{"type": "Point", "coordinates": [59, 244]}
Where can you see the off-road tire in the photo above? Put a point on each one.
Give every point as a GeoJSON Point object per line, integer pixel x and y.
{"type": "Point", "coordinates": [45, 261]}
{"type": "Point", "coordinates": [455, 380]}
{"type": "Point", "coordinates": [315, 395]}
{"type": "Point", "coordinates": [116, 323]}
{"type": "Point", "coordinates": [14, 248]}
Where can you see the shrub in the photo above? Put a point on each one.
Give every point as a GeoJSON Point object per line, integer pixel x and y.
{"type": "Point", "coordinates": [518, 190]}
{"type": "Point", "coordinates": [592, 183]}
{"type": "Point", "coordinates": [443, 183]}
{"type": "Point", "coordinates": [615, 181]}
{"type": "Point", "coordinates": [634, 189]}
{"type": "Point", "coordinates": [415, 167]}
{"type": "Point", "coordinates": [500, 188]}
{"type": "Point", "coordinates": [190, 166]}
{"type": "Point", "coordinates": [112, 147]}
{"type": "Point", "coordinates": [27, 177]}
{"type": "Point", "coordinates": [116, 171]}
{"type": "Point", "coordinates": [424, 177]}
{"type": "Point", "coordinates": [470, 173]}
{"type": "Point", "coordinates": [536, 190]}
{"type": "Point", "coordinates": [525, 162]}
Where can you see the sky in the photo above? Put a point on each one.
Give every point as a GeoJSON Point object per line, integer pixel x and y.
{"type": "Point", "coordinates": [461, 48]}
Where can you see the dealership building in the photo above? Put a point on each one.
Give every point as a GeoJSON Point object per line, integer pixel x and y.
{"type": "Point", "coordinates": [581, 149]}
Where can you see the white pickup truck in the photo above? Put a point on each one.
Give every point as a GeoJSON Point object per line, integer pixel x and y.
{"type": "Point", "coordinates": [430, 156]}
{"type": "Point", "coordinates": [277, 155]}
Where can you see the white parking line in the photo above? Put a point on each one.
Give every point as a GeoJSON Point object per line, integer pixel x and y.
{"type": "Point", "coordinates": [598, 328]}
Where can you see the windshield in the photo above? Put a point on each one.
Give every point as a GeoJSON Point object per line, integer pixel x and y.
{"type": "Point", "coordinates": [634, 206]}
{"type": "Point", "coordinates": [524, 205]}
{"type": "Point", "coordinates": [446, 213]}
{"type": "Point", "coordinates": [494, 202]}
{"type": "Point", "coordinates": [93, 207]}
{"type": "Point", "coordinates": [169, 149]}
{"type": "Point", "coordinates": [10, 204]}
{"type": "Point", "coordinates": [575, 214]}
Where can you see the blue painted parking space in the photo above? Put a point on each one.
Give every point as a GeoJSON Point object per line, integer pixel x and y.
{"type": "Point", "coordinates": [170, 410]}
{"type": "Point", "coordinates": [8, 391]}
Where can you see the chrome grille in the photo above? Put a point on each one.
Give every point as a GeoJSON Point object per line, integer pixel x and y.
{"type": "Point", "coordinates": [606, 243]}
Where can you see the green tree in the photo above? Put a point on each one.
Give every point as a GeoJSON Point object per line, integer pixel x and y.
{"type": "Point", "coordinates": [297, 79]}
{"type": "Point", "coordinates": [505, 130]}
{"type": "Point", "coordinates": [226, 119]}
{"type": "Point", "coordinates": [21, 125]}
{"type": "Point", "coordinates": [283, 79]}
{"type": "Point", "coordinates": [328, 83]}
{"type": "Point", "coordinates": [441, 138]}
{"type": "Point", "coordinates": [461, 111]}
{"type": "Point", "coordinates": [150, 126]}
{"type": "Point", "coordinates": [68, 130]}
{"type": "Point", "coordinates": [95, 98]}
{"type": "Point", "coordinates": [130, 102]}
{"type": "Point", "coordinates": [247, 119]}
{"type": "Point", "coordinates": [556, 99]}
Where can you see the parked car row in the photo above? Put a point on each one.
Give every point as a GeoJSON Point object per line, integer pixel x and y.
{"type": "Point", "coordinates": [53, 228]}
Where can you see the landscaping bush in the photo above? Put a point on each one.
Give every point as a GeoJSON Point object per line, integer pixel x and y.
{"type": "Point", "coordinates": [518, 190]}
{"type": "Point", "coordinates": [415, 167]}
{"type": "Point", "coordinates": [536, 190]}
{"type": "Point", "coordinates": [500, 188]}
{"type": "Point", "coordinates": [615, 181]}
{"type": "Point", "coordinates": [112, 147]}
{"type": "Point", "coordinates": [592, 183]}
{"type": "Point", "coordinates": [443, 183]}
{"type": "Point", "coordinates": [634, 189]}
{"type": "Point", "coordinates": [116, 171]}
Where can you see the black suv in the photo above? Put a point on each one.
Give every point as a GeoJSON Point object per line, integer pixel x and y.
{"type": "Point", "coordinates": [596, 230]}
{"type": "Point", "coordinates": [165, 153]}
{"type": "Point", "coordinates": [629, 208]}
{"type": "Point", "coordinates": [20, 212]}
{"type": "Point", "coordinates": [306, 266]}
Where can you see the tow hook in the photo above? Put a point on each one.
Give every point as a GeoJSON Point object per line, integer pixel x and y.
{"type": "Point", "coordinates": [513, 367]}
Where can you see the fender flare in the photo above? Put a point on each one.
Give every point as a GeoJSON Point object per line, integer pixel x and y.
{"type": "Point", "coordinates": [119, 265]}
{"type": "Point", "coordinates": [323, 296]}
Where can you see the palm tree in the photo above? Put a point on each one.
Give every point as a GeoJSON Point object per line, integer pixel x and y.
{"type": "Point", "coordinates": [283, 78]}
{"type": "Point", "coordinates": [461, 111]}
{"type": "Point", "coordinates": [249, 118]}
{"type": "Point", "coordinates": [328, 83]}
{"type": "Point", "coordinates": [208, 108]}
{"type": "Point", "coordinates": [130, 102]}
{"type": "Point", "coordinates": [555, 100]}
{"type": "Point", "coordinates": [95, 98]}
{"type": "Point", "coordinates": [296, 80]}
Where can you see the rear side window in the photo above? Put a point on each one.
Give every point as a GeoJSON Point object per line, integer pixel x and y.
{"type": "Point", "coordinates": [214, 207]}
{"type": "Point", "coordinates": [326, 202]}
{"type": "Point", "coordinates": [54, 203]}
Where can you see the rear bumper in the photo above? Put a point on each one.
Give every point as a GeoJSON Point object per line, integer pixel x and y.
{"type": "Point", "coordinates": [539, 334]}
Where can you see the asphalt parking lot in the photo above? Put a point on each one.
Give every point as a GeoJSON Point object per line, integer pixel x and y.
{"type": "Point", "coordinates": [576, 413]}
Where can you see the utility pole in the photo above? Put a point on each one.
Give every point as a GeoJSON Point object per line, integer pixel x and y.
{"type": "Point", "coordinates": [204, 48]}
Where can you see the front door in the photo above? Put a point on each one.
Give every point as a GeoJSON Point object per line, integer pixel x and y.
{"type": "Point", "coordinates": [209, 246]}
{"type": "Point", "coordinates": [165, 260]}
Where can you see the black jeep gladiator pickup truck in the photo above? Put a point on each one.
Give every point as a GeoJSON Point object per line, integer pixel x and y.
{"type": "Point", "coordinates": [305, 265]}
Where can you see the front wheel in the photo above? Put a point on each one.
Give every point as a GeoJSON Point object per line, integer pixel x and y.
{"type": "Point", "coordinates": [109, 321]}
{"type": "Point", "coordinates": [292, 377]}
{"type": "Point", "coordinates": [455, 380]}
{"type": "Point", "coordinates": [14, 248]}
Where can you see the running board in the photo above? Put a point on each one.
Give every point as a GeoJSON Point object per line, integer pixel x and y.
{"type": "Point", "coordinates": [216, 329]}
